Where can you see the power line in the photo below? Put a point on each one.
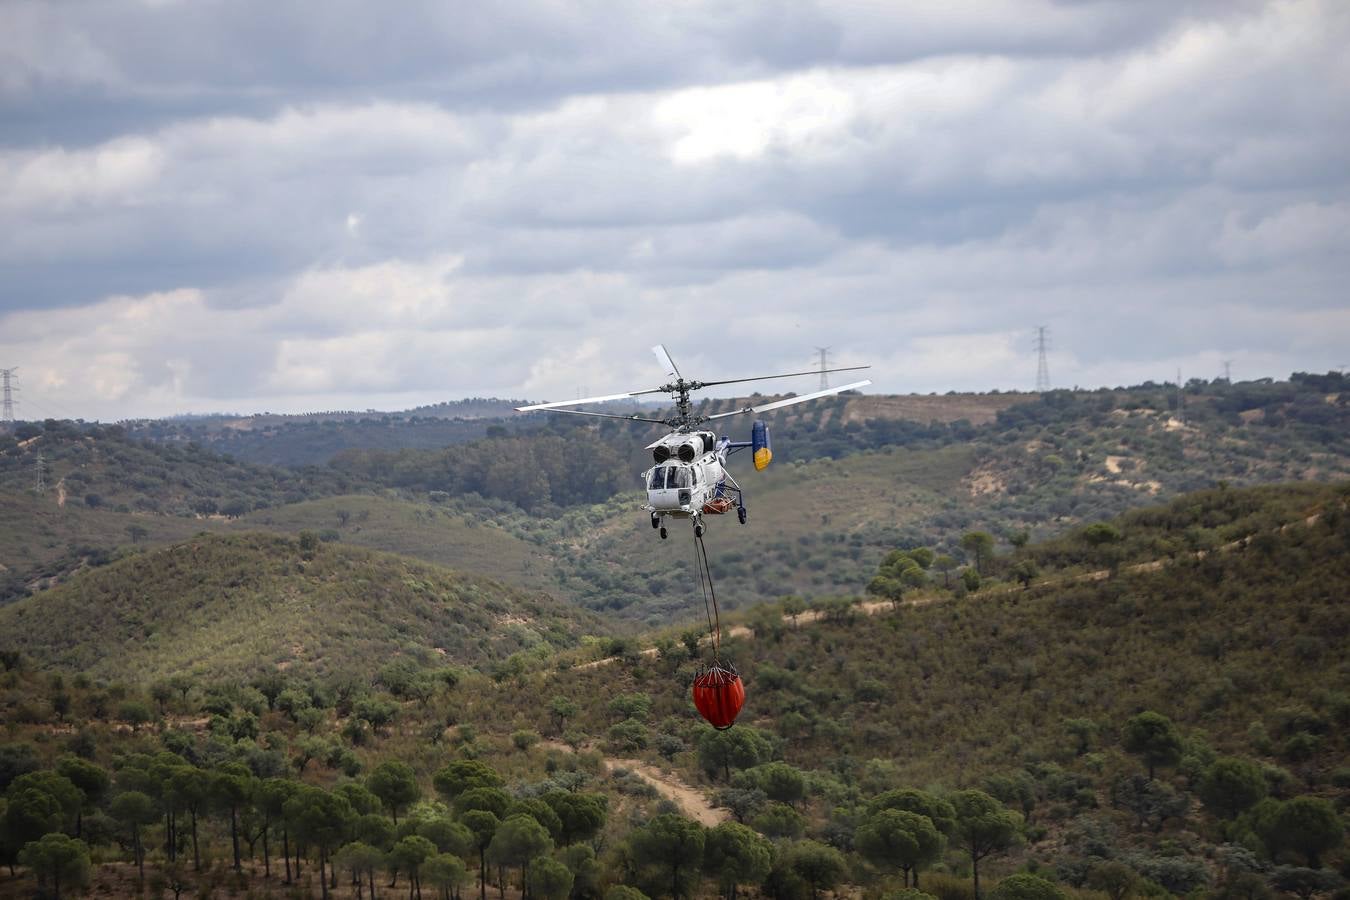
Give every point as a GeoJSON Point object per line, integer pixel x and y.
{"type": "Point", "coordinates": [823, 354]}
{"type": "Point", "coordinates": [45, 407]}
{"type": "Point", "coordinates": [7, 411]}
{"type": "Point", "coordinates": [1042, 365]}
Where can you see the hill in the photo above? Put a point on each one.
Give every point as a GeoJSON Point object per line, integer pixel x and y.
{"type": "Point", "coordinates": [103, 489]}
{"type": "Point", "coordinates": [854, 476]}
{"type": "Point", "coordinates": [1239, 644]}
{"type": "Point", "coordinates": [233, 605]}
{"type": "Point", "coordinates": [439, 533]}
{"type": "Point", "coordinates": [313, 438]}
{"type": "Point", "coordinates": [101, 466]}
{"type": "Point", "coordinates": [841, 495]}
{"type": "Point", "coordinates": [817, 527]}
{"type": "Point", "coordinates": [1162, 710]}
{"type": "Point", "coordinates": [1220, 616]}
{"type": "Point", "coordinates": [43, 540]}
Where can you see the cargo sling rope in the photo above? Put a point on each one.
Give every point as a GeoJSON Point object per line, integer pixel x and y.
{"type": "Point", "coordinates": [718, 690]}
{"type": "Point", "coordinates": [705, 583]}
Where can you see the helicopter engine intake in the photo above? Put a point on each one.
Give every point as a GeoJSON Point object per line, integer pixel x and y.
{"type": "Point", "coordinates": [684, 447]}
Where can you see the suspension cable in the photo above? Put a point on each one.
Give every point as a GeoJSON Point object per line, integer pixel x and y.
{"type": "Point", "coordinates": [700, 564]}
{"type": "Point", "coordinates": [715, 623]}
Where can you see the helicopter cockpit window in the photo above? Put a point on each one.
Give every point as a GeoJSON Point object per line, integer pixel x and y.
{"type": "Point", "coordinates": [671, 478]}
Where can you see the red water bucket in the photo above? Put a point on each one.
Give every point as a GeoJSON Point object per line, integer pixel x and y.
{"type": "Point", "coordinates": [719, 695]}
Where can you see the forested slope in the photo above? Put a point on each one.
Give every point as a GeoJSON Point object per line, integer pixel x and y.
{"type": "Point", "coordinates": [853, 478]}
{"type": "Point", "coordinates": [231, 605]}
{"type": "Point", "coordinates": [1161, 710]}
{"type": "Point", "coordinates": [101, 466]}
{"type": "Point", "coordinates": [1242, 642]}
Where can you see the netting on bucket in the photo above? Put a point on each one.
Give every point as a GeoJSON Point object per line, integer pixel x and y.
{"type": "Point", "coordinates": [719, 694]}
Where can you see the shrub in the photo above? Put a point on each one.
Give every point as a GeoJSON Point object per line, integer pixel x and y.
{"type": "Point", "coordinates": [627, 736]}
{"type": "Point", "coordinates": [948, 887]}
{"type": "Point", "coordinates": [1025, 886]}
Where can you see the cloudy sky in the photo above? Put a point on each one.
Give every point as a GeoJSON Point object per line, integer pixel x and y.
{"type": "Point", "coordinates": [242, 206]}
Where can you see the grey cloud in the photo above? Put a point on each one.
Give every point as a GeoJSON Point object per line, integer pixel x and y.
{"type": "Point", "coordinates": [515, 201]}
{"type": "Point", "coordinates": [86, 70]}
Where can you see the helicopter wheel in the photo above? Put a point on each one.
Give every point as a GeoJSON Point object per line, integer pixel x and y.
{"type": "Point", "coordinates": [698, 530]}
{"type": "Point", "coordinates": [663, 532]}
{"type": "Point", "coordinates": [740, 514]}
{"type": "Point", "coordinates": [656, 521]}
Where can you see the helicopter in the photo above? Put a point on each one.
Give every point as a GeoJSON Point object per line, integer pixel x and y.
{"type": "Point", "coordinates": [690, 478]}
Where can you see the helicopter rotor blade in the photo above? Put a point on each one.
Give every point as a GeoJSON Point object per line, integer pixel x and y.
{"type": "Point", "coordinates": [784, 375]}
{"type": "Point", "coordinates": [779, 404]}
{"type": "Point", "coordinates": [560, 403]}
{"type": "Point", "coordinates": [632, 418]}
{"type": "Point", "coordinates": [666, 362]}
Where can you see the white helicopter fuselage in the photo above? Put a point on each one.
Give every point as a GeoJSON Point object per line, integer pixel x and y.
{"type": "Point", "coordinates": [691, 470]}
{"type": "Point", "coordinates": [681, 489]}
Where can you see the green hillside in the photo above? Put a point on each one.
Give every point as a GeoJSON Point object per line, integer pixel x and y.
{"type": "Point", "coordinates": [814, 527]}
{"type": "Point", "coordinates": [432, 532]}
{"type": "Point", "coordinates": [43, 541]}
{"type": "Point", "coordinates": [854, 476]}
{"type": "Point", "coordinates": [852, 479]}
{"type": "Point", "coordinates": [232, 605]}
{"type": "Point", "coordinates": [101, 466]}
{"type": "Point", "coordinates": [1223, 612]}
{"type": "Point", "coordinates": [1162, 710]}
{"type": "Point", "coordinates": [1242, 644]}
{"type": "Point", "coordinates": [102, 490]}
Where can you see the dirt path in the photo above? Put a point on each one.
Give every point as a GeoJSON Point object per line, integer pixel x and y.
{"type": "Point", "coordinates": [597, 663]}
{"type": "Point", "coordinates": [692, 802]}
{"type": "Point", "coordinates": [867, 608]}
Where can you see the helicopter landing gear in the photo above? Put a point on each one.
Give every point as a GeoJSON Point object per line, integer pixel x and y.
{"type": "Point", "coordinates": [698, 529]}
{"type": "Point", "coordinates": [656, 521]}
{"type": "Point", "coordinates": [663, 533]}
{"type": "Point", "coordinates": [740, 514]}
